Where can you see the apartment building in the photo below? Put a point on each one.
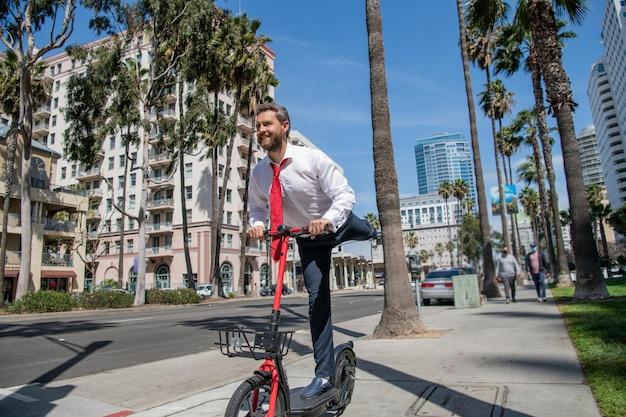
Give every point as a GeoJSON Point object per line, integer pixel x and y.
{"type": "Point", "coordinates": [590, 157]}
{"type": "Point", "coordinates": [58, 217]}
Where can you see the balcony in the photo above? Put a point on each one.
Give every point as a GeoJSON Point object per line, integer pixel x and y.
{"type": "Point", "coordinates": [163, 181]}
{"type": "Point", "coordinates": [93, 235]}
{"type": "Point", "coordinates": [154, 228]}
{"type": "Point", "coordinates": [88, 174]}
{"type": "Point", "coordinates": [163, 114]}
{"type": "Point", "coordinates": [53, 225]}
{"type": "Point", "coordinates": [57, 259]}
{"type": "Point", "coordinates": [159, 251]}
{"type": "Point", "coordinates": [14, 257]}
{"type": "Point", "coordinates": [14, 221]}
{"type": "Point", "coordinates": [95, 194]}
{"type": "Point", "coordinates": [245, 124]}
{"type": "Point", "coordinates": [42, 112]}
{"type": "Point", "coordinates": [169, 95]}
{"type": "Point", "coordinates": [41, 128]}
{"type": "Point", "coordinates": [243, 146]}
{"type": "Point", "coordinates": [93, 214]}
{"type": "Point", "coordinates": [161, 204]}
{"type": "Point", "coordinates": [161, 158]}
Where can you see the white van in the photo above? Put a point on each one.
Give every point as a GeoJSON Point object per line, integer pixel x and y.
{"type": "Point", "coordinates": [204, 290]}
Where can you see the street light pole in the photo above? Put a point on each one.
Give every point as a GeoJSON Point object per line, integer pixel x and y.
{"type": "Point", "coordinates": [293, 266]}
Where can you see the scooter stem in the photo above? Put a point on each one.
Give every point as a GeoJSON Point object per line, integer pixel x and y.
{"type": "Point", "coordinates": [282, 263]}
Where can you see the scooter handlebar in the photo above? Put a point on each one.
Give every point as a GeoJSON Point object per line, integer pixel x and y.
{"type": "Point", "coordinates": [284, 230]}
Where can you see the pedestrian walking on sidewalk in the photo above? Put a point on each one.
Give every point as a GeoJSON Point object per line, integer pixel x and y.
{"type": "Point", "coordinates": [507, 269]}
{"type": "Point", "coordinates": [537, 264]}
{"type": "Point", "coordinates": [304, 187]}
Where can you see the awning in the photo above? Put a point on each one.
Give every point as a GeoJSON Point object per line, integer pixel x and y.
{"type": "Point", "coordinates": [11, 273]}
{"type": "Point", "coordinates": [57, 274]}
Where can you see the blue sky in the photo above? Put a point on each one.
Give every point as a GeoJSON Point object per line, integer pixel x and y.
{"type": "Point", "coordinates": [322, 66]}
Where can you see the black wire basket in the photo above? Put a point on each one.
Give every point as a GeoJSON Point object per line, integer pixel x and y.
{"type": "Point", "coordinates": [255, 343]}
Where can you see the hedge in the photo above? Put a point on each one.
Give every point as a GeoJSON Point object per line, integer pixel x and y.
{"type": "Point", "coordinates": [43, 302]}
{"type": "Point", "coordinates": [179, 296]}
{"type": "Point", "coordinates": [105, 299]}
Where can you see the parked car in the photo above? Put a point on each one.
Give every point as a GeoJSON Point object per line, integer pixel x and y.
{"type": "Point", "coordinates": [204, 290]}
{"type": "Point", "coordinates": [271, 290]}
{"type": "Point", "coordinates": [438, 285]}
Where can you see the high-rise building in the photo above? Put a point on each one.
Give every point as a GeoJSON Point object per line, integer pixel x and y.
{"type": "Point", "coordinates": [590, 157]}
{"type": "Point", "coordinates": [607, 95]}
{"type": "Point", "coordinates": [444, 157]}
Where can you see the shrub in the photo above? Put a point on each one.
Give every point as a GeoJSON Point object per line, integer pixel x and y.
{"type": "Point", "coordinates": [42, 302]}
{"type": "Point", "coordinates": [232, 294]}
{"type": "Point", "coordinates": [105, 299]}
{"type": "Point", "coordinates": [179, 296]}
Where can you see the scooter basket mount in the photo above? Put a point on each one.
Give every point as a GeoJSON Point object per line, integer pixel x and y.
{"type": "Point", "coordinates": [242, 341]}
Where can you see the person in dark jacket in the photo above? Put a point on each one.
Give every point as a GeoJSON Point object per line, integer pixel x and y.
{"type": "Point", "coordinates": [537, 265]}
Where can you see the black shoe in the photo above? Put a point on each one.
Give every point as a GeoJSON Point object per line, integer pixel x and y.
{"type": "Point", "coordinates": [315, 388]}
{"type": "Point", "coordinates": [514, 300]}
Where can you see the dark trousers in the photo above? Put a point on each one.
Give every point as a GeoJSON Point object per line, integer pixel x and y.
{"type": "Point", "coordinates": [540, 284]}
{"type": "Point", "coordinates": [316, 259]}
{"type": "Point", "coordinates": [316, 263]}
{"type": "Point", "coordinates": [509, 287]}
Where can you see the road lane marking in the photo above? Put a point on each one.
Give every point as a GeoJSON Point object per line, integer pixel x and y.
{"type": "Point", "coordinates": [15, 396]}
{"type": "Point", "coordinates": [127, 320]}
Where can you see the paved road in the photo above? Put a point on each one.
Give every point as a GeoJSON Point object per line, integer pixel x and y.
{"type": "Point", "coordinates": [53, 349]}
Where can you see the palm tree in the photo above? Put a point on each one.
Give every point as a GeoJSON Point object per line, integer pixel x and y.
{"type": "Point", "coordinates": [490, 288]}
{"type": "Point", "coordinates": [411, 240]}
{"type": "Point", "coordinates": [509, 143]}
{"type": "Point", "coordinates": [372, 219]}
{"type": "Point", "coordinates": [399, 315]}
{"type": "Point", "coordinates": [424, 256]}
{"type": "Point", "coordinates": [544, 29]}
{"type": "Point", "coordinates": [530, 201]}
{"type": "Point", "coordinates": [439, 249]}
{"type": "Point", "coordinates": [515, 45]}
{"type": "Point", "coordinates": [445, 191]}
{"type": "Point", "coordinates": [525, 124]}
{"type": "Point", "coordinates": [468, 204]}
{"type": "Point", "coordinates": [460, 189]}
{"type": "Point", "coordinates": [599, 212]}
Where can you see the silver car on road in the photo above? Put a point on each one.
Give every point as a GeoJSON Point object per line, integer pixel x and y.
{"type": "Point", "coordinates": [438, 285]}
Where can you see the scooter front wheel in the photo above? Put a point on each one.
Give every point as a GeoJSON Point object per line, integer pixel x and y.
{"type": "Point", "coordinates": [252, 399]}
{"type": "Point", "coordinates": [345, 375]}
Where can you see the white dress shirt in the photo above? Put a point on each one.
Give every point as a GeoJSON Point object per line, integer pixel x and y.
{"type": "Point", "coordinates": [313, 187]}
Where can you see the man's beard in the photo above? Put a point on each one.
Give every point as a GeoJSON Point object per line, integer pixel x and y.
{"type": "Point", "coordinates": [275, 143]}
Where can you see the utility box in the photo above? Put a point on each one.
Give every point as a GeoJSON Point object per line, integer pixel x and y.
{"type": "Point", "coordinates": [466, 292]}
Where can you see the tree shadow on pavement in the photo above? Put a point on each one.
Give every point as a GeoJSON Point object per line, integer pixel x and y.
{"type": "Point", "coordinates": [50, 328]}
{"type": "Point", "coordinates": [455, 401]}
{"type": "Point", "coordinates": [35, 398]}
{"type": "Point", "coordinates": [521, 314]}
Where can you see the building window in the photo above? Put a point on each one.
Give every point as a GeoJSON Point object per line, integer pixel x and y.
{"type": "Point", "coordinates": [54, 121]}
{"type": "Point", "coordinates": [131, 224]}
{"type": "Point", "coordinates": [133, 180]}
{"type": "Point", "coordinates": [188, 170]}
{"type": "Point", "coordinates": [120, 181]}
{"type": "Point", "coordinates": [220, 170]}
{"type": "Point", "coordinates": [57, 85]}
{"type": "Point", "coordinates": [117, 246]}
{"type": "Point", "coordinates": [133, 156]}
{"type": "Point", "coordinates": [107, 226]}
{"type": "Point", "coordinates": [63, 173]}
{"type": "Point", "coordinates": [229, 217]}
{"type": "Point", "coordinates": [162, 277]}
{"type": "Point", "coordinates": [229, 196]}
{"type": "Point", "coordinates": [52, 138]}
{"type": "Point", "coordinates": [55, 103]}
{"type": "Point", "coordinates": [265, 275]}
{"type": "Point", "coordinates": [189, 192]}
{"type": "Point", "coordinates": [131, 201]}
{"type": "Point", "coordinates": [109, 204]}
{"type": "Point", "coordinates": [112, 142]}
{"type": "Point", "coordinates": [122, 159]}
{"type": "Point", "coordinates": [226, 273]}
{"type": "Point", "coordinates": [107, 248]}
{"type": "Point", "coordinates": [130, 245]}
{"type": "Point", "coordinates": [229, 240]}
{"type": "Point", "coordinates": [189, 215]}
{"type": "Point", "coordinates": [111, 162]}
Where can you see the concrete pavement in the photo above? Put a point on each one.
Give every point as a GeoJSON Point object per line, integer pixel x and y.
{"type": "Point", "coordinates": [505, 360]}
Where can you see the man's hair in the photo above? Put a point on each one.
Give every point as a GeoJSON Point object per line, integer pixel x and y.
{"type": "Point", "coordinates": [281, 113]}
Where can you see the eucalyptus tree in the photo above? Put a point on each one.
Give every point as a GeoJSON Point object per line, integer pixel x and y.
{"type": "Point", "coordinates": [515, 49]}
{"type": "Point", "coordinates": [445, 190]}
{"type": "Point", "coordinates": [489, 287]}
{"type": "Point", "coordinates": [460, 189]}
{"type": "Point", "coordinates": [10, 105]}
{"type": "Point", "coordinates": [399, 317]}
{"type": "Point", "coordinates": [30, 34]}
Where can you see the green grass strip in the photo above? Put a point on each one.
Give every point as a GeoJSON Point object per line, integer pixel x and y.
{"type": "Point", "coordinates": [598, 331]}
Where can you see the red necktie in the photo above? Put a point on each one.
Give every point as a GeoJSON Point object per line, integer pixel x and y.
{"type": "Point", "coordinates": [276, 210]}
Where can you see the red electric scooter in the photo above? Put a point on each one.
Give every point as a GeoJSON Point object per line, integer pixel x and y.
{"type": "Point", "coordinates": [267, 393]}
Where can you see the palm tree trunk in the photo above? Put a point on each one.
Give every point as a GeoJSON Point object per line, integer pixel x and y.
{"type": "Point", "coordinates": [140, 288]}
{"type": "Point", "coordinates": [503, 218]}
{"type": "Point", "coordinates": [449, 234]}
{"type": "Point", "coordinates": [564, 279]}
{"type": "Point", "coordinates": [490, 288]}
{"type": "Point", "coordinates": [514, 226]}
{"type": "Point", "coordinates": [9, 179]}
{"type": "Point", "coordinates": [399, 315]}
{"type": "Point", "coordinates": [26, 125]}
{"type": "Point", "coordinates": [183, 194]}
{"type": "Point", "coordinates": [589, 281]}
{"type": "Point", "coordinates": [508, 175]}
{"type": "Point", "coordinates": [605, 245]}
{"type": "Point", "coordinates": [245, 216]}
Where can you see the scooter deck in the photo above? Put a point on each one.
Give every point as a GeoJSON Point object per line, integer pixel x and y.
{"type": "Point", "coordinates": [311, 407]}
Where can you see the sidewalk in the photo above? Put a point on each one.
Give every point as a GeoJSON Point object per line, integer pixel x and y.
{"type": "Point", "coordinates": [500, 360]}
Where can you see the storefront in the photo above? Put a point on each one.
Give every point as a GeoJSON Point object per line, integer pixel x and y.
{"type": "Point", "coordinates": [10, 284]}
{"type": "Point", "coordinates": [57, 280]}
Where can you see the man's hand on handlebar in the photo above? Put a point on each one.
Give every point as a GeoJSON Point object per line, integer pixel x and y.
{"type": "Point", "coordinates": [256, 232]}
{"type": "Point", "coordinates": [319, 226]}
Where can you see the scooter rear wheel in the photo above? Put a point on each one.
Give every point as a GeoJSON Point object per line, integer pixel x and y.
{"type": "Point", "coordinates": [345, 375]}
{"type": "Point", "coordinates": [241, 404]}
